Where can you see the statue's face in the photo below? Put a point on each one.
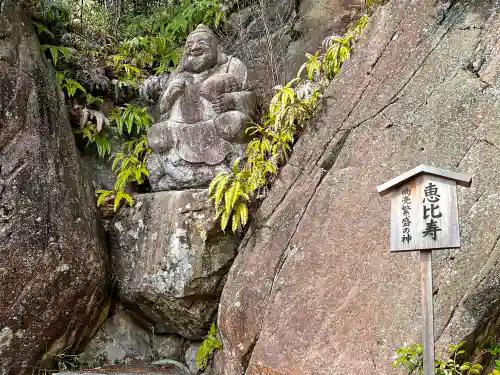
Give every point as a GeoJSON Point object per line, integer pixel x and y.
{"type": "Point", "coordinates": [200, 52]}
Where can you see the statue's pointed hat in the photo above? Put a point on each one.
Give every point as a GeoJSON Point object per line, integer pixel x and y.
{"type": "Point", "coordinates": [203, 29]}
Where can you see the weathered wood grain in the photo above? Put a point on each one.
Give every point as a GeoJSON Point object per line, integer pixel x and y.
{"type": "Point", "coordinates": [448, 235]}
{"type": "Point", "coordinates": [463, 179]}
{"type": "Point", "coordinates": [427, 310]}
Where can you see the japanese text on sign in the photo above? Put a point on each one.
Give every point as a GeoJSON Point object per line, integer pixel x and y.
{"type": "Point", "coordinates": [431, 211]}
{"type": "Point", "coordinates": [406, 210]}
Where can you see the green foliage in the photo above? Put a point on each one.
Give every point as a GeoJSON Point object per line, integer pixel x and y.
{"type": "Point", "coordinates": [496, 370]}
{"type": "Point", "coordinates": [155, 41]}
{"type": "Point", "coordinates": [117, 196]}
{"type": "Point", "coordinates": [105, 51]}
{"type": "Point", "coordinates": [132, 118]}
{"type": "Point", "coordinates": [289, 110]}
{"type": "Point", "coordinates": [55, 51]}
{"type": "Point", "coordinates": [129, 165]}
{"type": "Point", "coordinates": [90, 99]}
{"type": "Point", "coordinates": [410, 359]}
{"type": "Point", "coordinates": [90, 133]}
{"type": "Point", "coordinates": [72, 86]}
{"type": "Point", "coordinates": [206, 348]}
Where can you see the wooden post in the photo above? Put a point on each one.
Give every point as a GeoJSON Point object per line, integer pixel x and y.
{"type": "Point", "coordinates": [424, 217]}
{"type": "Point", "coordinates": [427, 310]}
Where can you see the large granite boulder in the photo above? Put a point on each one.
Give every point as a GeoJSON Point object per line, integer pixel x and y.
{"type": "Point", "coordinates": [170, 260]}
{"type": "Point", "coordinates": [122, 342]}
{"type": "Point", "coordinates": [314, 289]}
{"type": "Point", "coordinates": [52, 254]}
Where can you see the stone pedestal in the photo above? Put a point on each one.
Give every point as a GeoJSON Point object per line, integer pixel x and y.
{"type": "Point", "coordinates": [170, 261]}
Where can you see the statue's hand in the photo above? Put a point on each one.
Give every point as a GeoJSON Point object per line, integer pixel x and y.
{"type": "Point", "coordinates": [223, 103]}
{"type": "Point", "coordinates": [175, 89]}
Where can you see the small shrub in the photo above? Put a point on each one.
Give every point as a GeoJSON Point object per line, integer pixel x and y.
{"type": "Point", "coordinates": [207, 347]}
{"type": "Point", "coordinates": [410, 359]}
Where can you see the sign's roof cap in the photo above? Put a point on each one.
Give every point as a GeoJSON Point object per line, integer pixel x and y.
{"type": "Point", "coordinates": [463, 179]}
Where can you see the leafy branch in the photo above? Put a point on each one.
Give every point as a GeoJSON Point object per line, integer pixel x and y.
{"type": "Point", "coordinates": [289, 111]}
{"type": "Point", "coordinates": [129, 165]}
{"type": "Point", "coordinates": [207, 347]}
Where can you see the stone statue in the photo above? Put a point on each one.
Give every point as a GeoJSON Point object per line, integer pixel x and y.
{"type": "Point", "coordinates": [205, 108]}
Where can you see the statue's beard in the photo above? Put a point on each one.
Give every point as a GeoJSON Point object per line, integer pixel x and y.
{"type": "Point", "coordinates": [197, 64]}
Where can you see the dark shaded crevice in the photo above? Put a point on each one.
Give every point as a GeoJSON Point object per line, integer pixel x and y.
{"type": "Point", "coordinates": [245, 359]}
{"type": "Point", "coordinates": [475, 202]}
{"type": "Point", "coordinates": [330, 155]}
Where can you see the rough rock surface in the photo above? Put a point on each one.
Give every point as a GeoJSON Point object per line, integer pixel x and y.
{"type": "Point", "coordinates": [121, 342]}
{"type": "Point", "coordinates": [190, 357]}
{"type": "Point", "coordinates": [313, 286]}
{"type": "Point", "coordinates": [170, 261]}
{"type": "Point", "coordinates": [170, 370]}
{"type": "Point", "coordinates": [52, 257]}
{"type": "Point", "coordinates": [272, 36]}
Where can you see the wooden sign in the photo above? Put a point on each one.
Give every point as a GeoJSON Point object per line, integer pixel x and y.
{"type": "Point", "coordinates": [424, 217]}
{"type": "Point", "coordinates": [424, 210]}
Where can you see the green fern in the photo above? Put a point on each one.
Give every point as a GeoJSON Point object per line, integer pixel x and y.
{"type": "Point", "coordinates": [90, 133]}
{"type": "Point", "coordinates": [207, 347]}
{"type": "Point", "coordinates": [117, 196]}
{"type": "Point", "coordinates": [132, 118]}
{"type": "Point", "coordinates": [90, 99]}
{"type": "Point", "coordinates": [71, 86]}
{"type": "Point", "coordinates": [130, 164]}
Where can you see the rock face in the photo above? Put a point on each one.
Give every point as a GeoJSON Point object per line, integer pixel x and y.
{"type": "Point", "coordinates": [159, 370]}
{"type": "Point", "coordinates": [205, 108]}
{"type": "Point", "coordinates": [121, 342]}
{"type": "Point", "coordinates": [272, 36]}
{"type": "Point", "coordinates": [170, 261]}
{"type": "Point", "coordinates": [52, 257]}
{"type": "Point", "coordinates": [190, 357]}
{"type": "Point", "coordinates": [313, 289]}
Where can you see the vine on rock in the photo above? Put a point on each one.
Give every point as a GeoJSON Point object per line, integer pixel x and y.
{"type": "Point", "coordinates": [289, 111]}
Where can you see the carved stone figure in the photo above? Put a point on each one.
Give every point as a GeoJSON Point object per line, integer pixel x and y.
{"type": "Point", "coordinates": [205, 108]}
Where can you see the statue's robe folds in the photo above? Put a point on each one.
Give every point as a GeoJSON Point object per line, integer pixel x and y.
{"type": "Point", "coordinates": [192, 143]}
